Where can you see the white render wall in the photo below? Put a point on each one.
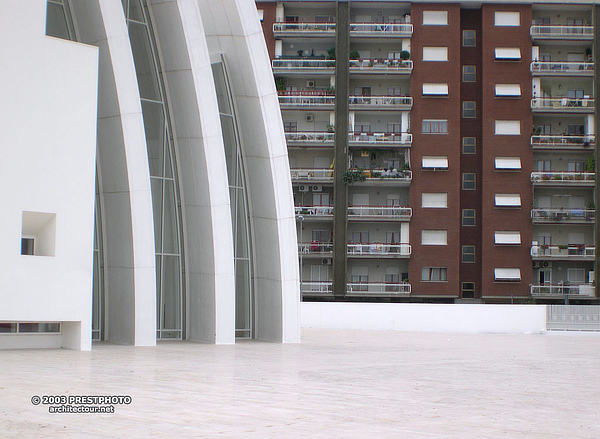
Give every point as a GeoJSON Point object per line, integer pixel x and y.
{"type": "Point", "coordinates": [471, 318]}
{"type": "Point", "coordinates": [48, 146]}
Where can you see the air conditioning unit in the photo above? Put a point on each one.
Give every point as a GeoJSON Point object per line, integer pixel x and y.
{"type": "Point", "coordinates": [326, 261]}
{"type": "Point", "coordinates": [303, 188]}
{"type": "Point", "coordinates": [310, 117]}
{"type": "Point", "coordinates": [310, 83]}
{"type": "Point", "coordinates": [542, 264]}
{"type": "Point", "coordinates": [316, 188]}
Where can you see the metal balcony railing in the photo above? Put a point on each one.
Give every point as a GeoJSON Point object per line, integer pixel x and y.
{"type": "Point", "coordinates": [302, 99]}
{"type": "Point", "coordinates": [564, 104]}
{"type": "Point", "coordinates": [380, 66]}
{"type": "Point", "coordinates": [563, 215]}
{"type": "Point", "coordinates": [304, 64]}
{"type": "Point", "coordinates": [583, 32]}
{"type": "Point", "coordinates": [571, 251]}
{"type": "Point", "coordinates": [317, 287]}
{"type": "Point", "coordinates": [316, 138]}
{"type": "Point", "coordinates": [389, 175]}
{"type": "Point", "coordinates": [563, 289]}
{"type": "Point", "coordinates": [380, 139]}
{"type": "Point", "coordinates": [561, 177]}
{"type": "Point", "coordinates": [303, 174]}
{"type": "Point", "coordinates": [314, 211]}
{"type": "Point", "coordinates": [304, 28]}
{"type": "Point", "coordinates": [381, 102]}
{"type": "Point", "coordinates": [381, 29]}
{"type": "Point", "coordinates": [379, 249]}
{"type": "Point", "coordinates": [315, 248]}
{"type": "Point", "coordinates": [562, 141]}
{"type": "Point", "coordinates": [379, 212]}
{"type": "Point", "coordinates": [377, 288]}
{"type": "Point", "coordinates": [562, 68]}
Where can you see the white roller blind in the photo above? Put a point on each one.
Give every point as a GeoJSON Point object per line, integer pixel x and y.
{"type": "Point", "coordinates": [502, 18]}
{"type": "Point", "coordinates": [508, 200]}
{"type": "Point", "coordinates": [435, 18]}
{"type": "Point", "coordinates": [434, 200]}
{"type": "Point", "coordinates": [435, 54]}
{"type": "Point", "coordinates": [507, 238]}
{"type": "Point", "coordinates": [434, 237]}
{"type": "Point", "coordinates": [508, 163]}
{"type": "Point", "coordinates": [508, 90]}
{"type": "Point", "coordinates": [435, 89]}
{"type": "Point", "coordinates": [508, 53]}
{"type": "Point", "coordinates": [435, 162]}
{"type": "Point", "coordinates": [508, 127]}
{"type": "Point", "coordinates": [507, 274]}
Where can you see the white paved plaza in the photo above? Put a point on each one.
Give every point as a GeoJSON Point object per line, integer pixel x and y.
{"type": "Point", "coordinates": [336, 383]}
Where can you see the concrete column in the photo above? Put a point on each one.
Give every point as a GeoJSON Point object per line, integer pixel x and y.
{"type": "Point", "coordinates": [596, 48]}
{"type": "Point", "coordinates": [340, 190]}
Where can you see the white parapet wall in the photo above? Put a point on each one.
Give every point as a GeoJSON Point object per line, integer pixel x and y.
{"type": "Point", "coordinates": [472, 318]}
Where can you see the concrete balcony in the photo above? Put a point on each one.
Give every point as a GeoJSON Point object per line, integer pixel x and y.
{"type": "Point", "coordinates": [380, 140]}
{"type": "Point", "coordinates": [379, 250]}
{"type": "Point", "coordinates": [304, 66]}
{"type": "Point", "coordinates": [572, 252]}
{"type": "Point", "coordinates": [315, 139]}
{"type": "Point", "coordinates": [317, 249]}
{"type": "Point", "coordinates": [306, 100]}
{"type": "Point", "coordinates": [562, 105]}
{"type": "Point", "coordinates": [557, 291]}
{"type": "Point", "coordinates": [304, 175]}
{"type": "Point", "coordinates": [378, 289]}
{"type": "Point", "coordinates": [381, 30]}
{"type": "Point", "coordinates": [562, 142]}
{"type": "Point", "coordinates": [562, 68]}
{"type": "Point", "coordinates": [310, 212]}
{"type": "Point", "coordinates": [570, 179]}
{"type": "Point", "coordinates": [394, 103]}
{"type": "Point", "coordinates": [381, 66]}
{"type": "Point", "coordinates": [379, 213]}
{"type": "Point", "coordinates": [304, 30]}
{"type": "Point", "coordinates": [561, 32]}
{"type": "Point", "coordinates": [563, 216]}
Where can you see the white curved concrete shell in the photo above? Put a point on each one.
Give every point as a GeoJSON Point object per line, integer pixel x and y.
{"type": "Point", "coordinates": [109, 123]}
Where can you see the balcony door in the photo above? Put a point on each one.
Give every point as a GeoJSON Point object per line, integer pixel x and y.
{"type": "Point", "coordinates": [545, 276]}
{"type": "Point", "coordinates": [319, 278]}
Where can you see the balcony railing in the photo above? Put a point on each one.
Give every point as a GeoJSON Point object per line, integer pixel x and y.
{"type": "Point", "coordinates": [566, 178]}
{"type": "Point", "coordinates": [380, 66]}
{"type": "Point", "coordinates": [381, 29]}
{"type": "Point", "coordinates": [379, 249]}
{"type": "Point", "coordinates": [390, 175]}
{"type": "Point", "coordinates": [315, 248]}
{"type": "Point", "coordinates": [563, 215]}
{"type": "Point", "coordinates": [305, 99]}
{"type": "Point", "coordinates": [317, 287]}
{"type": "Point", "coordinates": [562, 141]}
{"type": "Point", "coordinates": [569, 105]}
{"type": "Point", "coordinates": [314, 211]}
{"type": "Point", "coordinates": [304, 28]}
{"type": "Point", "coordinates": [304, 64]}
{"type": "Point", "coordinates": [303, 174]}
{"type": "Point", "coordinates": [381, 102]}
{"type": "Point", "coordinates": [547, 31]}
{"type": "Point", "coordinates": [316, 138]}
{"type": "Point", "coordinates": [378, 288]}
{"type": "Point", "coordinates": [571, 251]}
{"type": "Point", "coordinates": [563, 290]}
{"type": "Point", "coordinates": [376, 212]}
{"type": "Point", "coordinates": [380, 139]}
{"type": "Point", "coordinates": [562, 68]}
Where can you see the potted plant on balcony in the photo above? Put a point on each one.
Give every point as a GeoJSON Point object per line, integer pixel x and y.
{"type": "Point", "coordinates": [352, 175]}
{"type": "Point", "coordinates": [405, 55]}
{"type": "Point", "coordinates": [591, 165]}
{"type": "Point", "coordinates": [354, 54]}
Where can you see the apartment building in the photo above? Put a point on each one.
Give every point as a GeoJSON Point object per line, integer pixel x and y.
{"type": "Point", "coordinates": [440, 151]}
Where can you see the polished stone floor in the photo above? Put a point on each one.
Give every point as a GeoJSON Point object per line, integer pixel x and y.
{"type": "Point", "coordinates": [337, 383]}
